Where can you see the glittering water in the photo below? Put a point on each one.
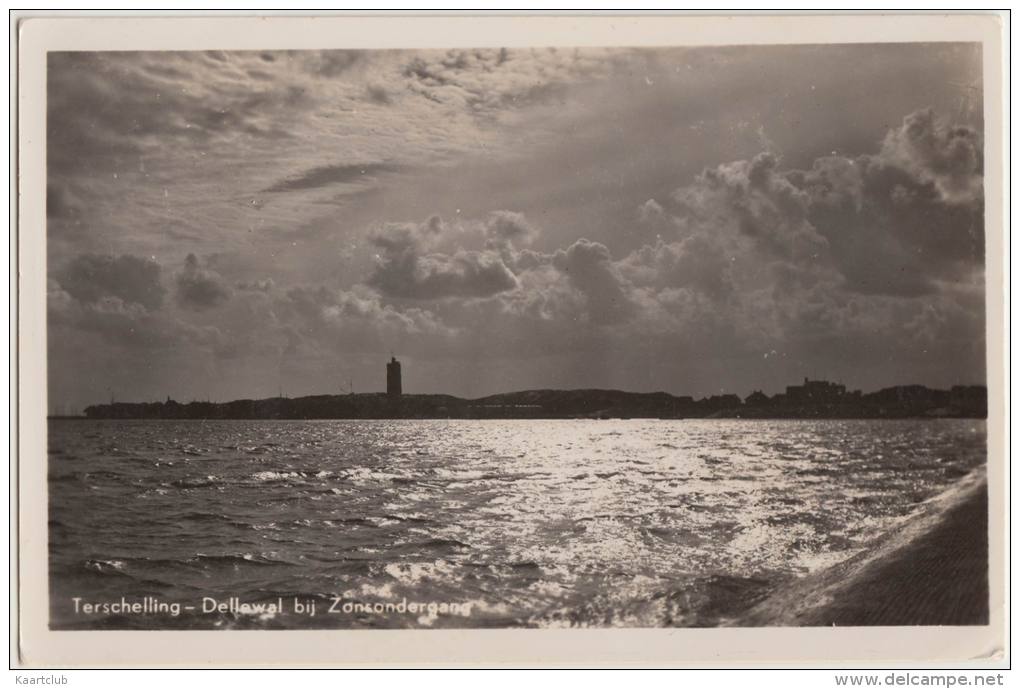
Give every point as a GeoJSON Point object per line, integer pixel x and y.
{"type": "Point", "coordinates": [526, 523]}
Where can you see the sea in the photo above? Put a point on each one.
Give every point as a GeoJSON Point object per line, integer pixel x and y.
{"type": "Point", "coordinates": [397, 524]}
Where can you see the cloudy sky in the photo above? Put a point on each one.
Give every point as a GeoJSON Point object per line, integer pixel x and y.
{"type": "Point", "coordinates": [706, 220]}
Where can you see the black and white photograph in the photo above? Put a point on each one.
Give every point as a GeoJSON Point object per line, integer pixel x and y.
{"type": "Point", "coordinates": [490, 337]}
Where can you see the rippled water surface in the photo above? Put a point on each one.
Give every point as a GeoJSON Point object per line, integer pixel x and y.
{"type": "Point", "coordinates": [529, 523]}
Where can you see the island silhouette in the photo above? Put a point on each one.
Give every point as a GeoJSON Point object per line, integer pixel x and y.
{"type": "Point", "coordinates": [812, 399]}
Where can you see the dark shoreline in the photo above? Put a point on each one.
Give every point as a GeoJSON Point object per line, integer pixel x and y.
{"type": "Point", "coordinates": [912, 401]}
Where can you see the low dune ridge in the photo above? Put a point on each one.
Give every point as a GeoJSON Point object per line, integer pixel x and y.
{"type": "Point", "coordinates": [931, 569]}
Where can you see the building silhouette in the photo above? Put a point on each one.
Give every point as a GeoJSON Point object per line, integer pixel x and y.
{"type": "Point", "coordinates": [813, 391]}
{"type": "Point", "coordinates": [393, 388]}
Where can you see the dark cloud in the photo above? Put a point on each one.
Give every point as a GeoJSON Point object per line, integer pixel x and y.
{"type": "Point", "coordinates": [133, 280]}
{"type": "Point", "coordinates": [487, 81]}
{"type": "Point", "coordinates": [333, 63]}
{"type": "Point", "coordinates": [696, 262]}
{"type": "Point", "coordinates": [857, 257]}
{"type": "Point", "coordinates": [60, 203]}
{"type": "Point", "coordinates": [67, 214]}
{"type": "Point", "coordinates": [378, 94]}
{"type": "Point", "coordinates": [199, 289]}
{"type": "Point", "coordinates": [421, 70]}
{"type": "Point", "coordinates": [311, 325]}
{"type": "Point", "coordinates": [332, 174]}
{"type": "Point", "coordinates": [107, 109]}
{"type": "Point", "coordinates": [406, 240]}
{"type": "Point", "coordinates": [89, 118]}
{"type": "Point", "coordinates": [650, 211]}
{"type": "Point", "coordinates": [463, 274]}
{"type": "Point", "coordinates": [124, 323]}
{"type": "Point", "coordinates": [765, 206]}
{"type": "Point", "coordinates": [505, 231]}
{"type": "Point", "coordinates": [325, 311]}
{"type": "Point", "coordinates": [934, 152]}
{"type": "Point", "coordinates": [265, 285]}
{"type": "Point", "coordinates": [590, 268]}
{"type": "Point", "coordinates": [508, 227]}
{"type": "Point", "coordinates": [406, 269]}
{"type": "Point", "coordinates": [906, 218]}
{"type": "Point", "coordinates": [898, 222]}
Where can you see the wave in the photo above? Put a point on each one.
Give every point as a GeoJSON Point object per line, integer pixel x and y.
{"type": "Point", "coordinates": [417, 519]}
{"type": "Point", "coordinates": [275, 475]}
{"type": "Point", "coordinates": [440, 543]}
{"type": "Point", "coordinates": [199, 482]}
{"type": "Point", "coordinates": [210, 517]}
{"type": "Point", "coordinates": [102, 475]}
{"type": "Point", "coordinates": [359, 521]}
{"type": "Point", "coordinates": [71, 477]}
{"type": "Point", "coordinates": [270, 476]}
{"type": "Point", "coordinates": [119, 568]}
{"type": "Point", "coordinates": [125, 566]}
{"type": "Point", "coordinates": [235, 559]}
{"type": "Point", "coordinates": [525, 565]}
{"type": "Point", "coordinates": [270, 526]}
{"type": "Point", "coordinates": [104, 566]}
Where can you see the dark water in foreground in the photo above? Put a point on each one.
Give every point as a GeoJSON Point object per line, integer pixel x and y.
{"type": "Point", "coordinates": [523, 523]}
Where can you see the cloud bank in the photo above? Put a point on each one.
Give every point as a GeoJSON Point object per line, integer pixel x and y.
{"type": "Point", "coordinates": [695, 220]}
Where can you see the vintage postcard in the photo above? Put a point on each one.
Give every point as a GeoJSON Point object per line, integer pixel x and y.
{"type": "Point", "coordinates": [511, 340]}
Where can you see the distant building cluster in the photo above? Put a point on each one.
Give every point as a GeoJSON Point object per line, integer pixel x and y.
{"type": "Point", "coordinates": [901, 400]}
{"type": "Point", "coordinates": [812, 392]}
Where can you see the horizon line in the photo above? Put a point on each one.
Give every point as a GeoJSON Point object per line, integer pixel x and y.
{"type": "Point", "coordinates": [524, 390]}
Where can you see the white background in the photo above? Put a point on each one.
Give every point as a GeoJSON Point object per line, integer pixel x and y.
{"type": "Point", "coordinates": [689, 678]}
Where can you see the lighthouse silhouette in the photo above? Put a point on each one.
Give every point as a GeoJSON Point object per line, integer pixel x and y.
{"type": "Point", "coordinates": [393, 388]}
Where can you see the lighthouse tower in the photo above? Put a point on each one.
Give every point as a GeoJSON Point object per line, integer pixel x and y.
{"type": "Point", "coordinates": [393, 388]}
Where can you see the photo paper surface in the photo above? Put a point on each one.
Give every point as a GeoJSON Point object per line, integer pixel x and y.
{"type": "Point", "coordinates": [514, 333]}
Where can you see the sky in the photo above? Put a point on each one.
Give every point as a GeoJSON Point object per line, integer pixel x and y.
{"type": "Point", "coordinates": [694, 220]}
